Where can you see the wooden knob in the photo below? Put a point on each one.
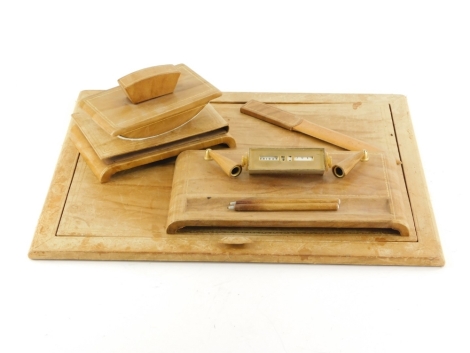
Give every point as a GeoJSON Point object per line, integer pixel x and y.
{"type": "Point", "coordinates": [150, 83]}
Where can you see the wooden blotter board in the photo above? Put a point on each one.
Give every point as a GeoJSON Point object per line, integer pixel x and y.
{"type": "Point", "coordinates": [125, 219]}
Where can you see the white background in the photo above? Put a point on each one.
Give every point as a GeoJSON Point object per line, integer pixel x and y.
{"type": "Point", "coordinates": [51, 50]}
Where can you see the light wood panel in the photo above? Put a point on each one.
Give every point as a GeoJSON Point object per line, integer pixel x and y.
{"type": "Point", "coordinates": [125, 219]}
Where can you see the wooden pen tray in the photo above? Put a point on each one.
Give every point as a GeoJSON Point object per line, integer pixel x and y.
{"type": "Point", "coordinates": [370, 196]}
{"type": "Point", "coordinates": [126, 218]}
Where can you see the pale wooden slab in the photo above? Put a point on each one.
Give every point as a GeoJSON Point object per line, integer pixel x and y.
{"type": "Point", "coordinates": [125, 219]}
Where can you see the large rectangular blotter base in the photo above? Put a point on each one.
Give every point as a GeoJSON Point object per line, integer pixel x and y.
{"type": "Point", "coordinates": [126, 218]}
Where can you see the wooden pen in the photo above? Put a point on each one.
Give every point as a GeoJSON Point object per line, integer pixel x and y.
{"type": "Point", "coordinates": [276, 206]}
{"type": "Point", "coordinates": [258, 200]}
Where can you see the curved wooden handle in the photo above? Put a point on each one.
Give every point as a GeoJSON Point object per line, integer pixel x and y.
{"type": "Point", "coordinates": [149, 83]}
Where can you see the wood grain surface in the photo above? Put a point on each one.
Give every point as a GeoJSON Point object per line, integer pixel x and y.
{"type": "Point", "coordinates": [125, 219]}
{"type": "Point", "coordinates": [117, 115]}
{"type": "Point", "coordinates": [371, 196]}
{"type": "Point", "coordinates": [107, 155]}
{"type": "Point", "coordinates": [149, 83]}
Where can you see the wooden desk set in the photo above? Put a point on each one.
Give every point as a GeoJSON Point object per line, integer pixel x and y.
{"type": "Point", "coordinates": [150, 171]}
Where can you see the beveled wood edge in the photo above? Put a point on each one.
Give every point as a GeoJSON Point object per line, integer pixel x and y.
{"type": "Point", "coordinates": [415, 179]}
{"type": "Point", "coordinates": [45, 245]}
{"type": "Point", "coordinates": [104, 172]}
{"type": "Point", "coordinates": [292, 98]}
{"type": "Point", "coordinates": [123, 248]}
{"type": "Point", "coordinates": [57, 195]}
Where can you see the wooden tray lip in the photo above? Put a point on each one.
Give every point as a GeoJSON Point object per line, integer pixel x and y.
{"type": "Point", "coordinates": [426, 251]}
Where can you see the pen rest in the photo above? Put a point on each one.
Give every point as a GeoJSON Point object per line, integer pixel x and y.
{"type": "Point", "coordinates": [370, 196]}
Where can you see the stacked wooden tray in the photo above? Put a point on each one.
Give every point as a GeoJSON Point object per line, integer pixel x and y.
{"type": "Point", "coordinates": [114, 134]}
